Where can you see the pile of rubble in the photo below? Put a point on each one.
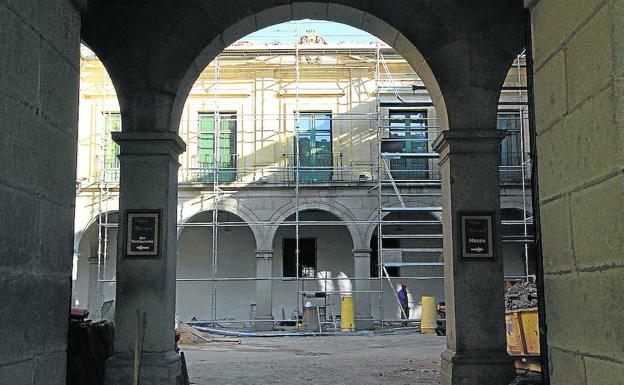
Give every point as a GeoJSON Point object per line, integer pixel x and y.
{"type": "Point", "coordinates": [522, 295]}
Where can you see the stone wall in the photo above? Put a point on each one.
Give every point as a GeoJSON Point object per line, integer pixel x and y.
{"type": "Point", "coordinates": [39, 44]}
{"type": "Point", "coordinates": [579, 95]}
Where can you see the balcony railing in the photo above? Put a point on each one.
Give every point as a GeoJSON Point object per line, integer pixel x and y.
{"type": "Point", "coordinates": [285, 172]}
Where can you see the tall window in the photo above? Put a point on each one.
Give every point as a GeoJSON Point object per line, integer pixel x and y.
{"type": "Point", "coordinates": [511, 148]}
{"type": "Point", "coordinates": [112, 123]}
{"type": "Point", "coordinates": [207, 148]}
{"type": "Point", "coordinates": [408, 132]}
{"type": "Point", "coordinates": [315, 146]}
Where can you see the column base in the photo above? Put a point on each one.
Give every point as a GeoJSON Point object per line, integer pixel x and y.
{"type": "Point", "coordinates": [364, 323]}
{"type": "Point", "coordinates": [162, 368]}
{"type": "Point", "coordinates": [477, 368]}
{"type": "Point", "coordinates": [263, 324]}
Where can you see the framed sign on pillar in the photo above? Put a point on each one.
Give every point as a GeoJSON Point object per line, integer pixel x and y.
{"type": "Point", "coordinates": [477, 235]}
{"type": "Point", "coordinates": [142, 233]}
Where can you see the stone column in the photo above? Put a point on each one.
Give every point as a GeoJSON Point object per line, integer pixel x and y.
{"type": "Point", "coordinates": [149, 167]}
{"type": "Point", "coordinates": [264, 290]}
{"type": "Point", "coordinates": [361, 264]}
{"type": "Point", "coordinates": [475, 319]}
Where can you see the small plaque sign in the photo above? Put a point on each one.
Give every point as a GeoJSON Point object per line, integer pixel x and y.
{"type": "Point", "coordinates": [477, 235]}
{"type": "Point", "coordinates": [143, 234]}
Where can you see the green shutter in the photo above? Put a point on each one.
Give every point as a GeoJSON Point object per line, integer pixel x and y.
{"type": "Point", "coordinates": [112, 123]}
{"type": "Point", "coordinates": [227, 147]}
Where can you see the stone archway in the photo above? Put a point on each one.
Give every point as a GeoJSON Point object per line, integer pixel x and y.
{"type": "Point", "coordinates": [154, 90]}
{"type": "Point", "coordinates": [216, 267]}
{"type": "Point", "coordinates": [335, 12]}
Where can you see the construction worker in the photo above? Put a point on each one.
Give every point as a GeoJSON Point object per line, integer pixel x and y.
{"type": "Point", "coordinates": [402, 294]}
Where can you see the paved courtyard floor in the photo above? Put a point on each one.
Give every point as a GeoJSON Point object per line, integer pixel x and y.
{"type": "Point", "coordinates": [394, 359]}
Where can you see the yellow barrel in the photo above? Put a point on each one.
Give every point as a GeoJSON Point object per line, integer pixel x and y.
{"type": "Point", "coordinates": [347, 322]}
{"type": "Point", "coordinates": [428, 321]}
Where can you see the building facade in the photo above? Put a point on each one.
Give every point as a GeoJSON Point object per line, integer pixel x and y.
{"type": "Point", "coordinates": [309, 175]}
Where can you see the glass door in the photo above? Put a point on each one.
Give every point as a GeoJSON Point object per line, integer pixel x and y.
{"type": "Point", "coordinates": [315, 146]}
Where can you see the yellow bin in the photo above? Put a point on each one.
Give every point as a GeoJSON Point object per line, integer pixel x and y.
{"type": "Point", "coordinates": [347, 321]}
{"type": "Point", "coordinates": [428, 321]}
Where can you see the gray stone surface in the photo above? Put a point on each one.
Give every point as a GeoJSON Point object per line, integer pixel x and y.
{"type": "Point", "coordinates": [38, 128]}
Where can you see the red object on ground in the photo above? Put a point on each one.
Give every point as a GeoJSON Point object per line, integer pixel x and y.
{"type": "Point", "coordinates": [79, 313]}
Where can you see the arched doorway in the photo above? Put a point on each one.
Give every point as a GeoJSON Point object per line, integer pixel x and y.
{"type": "Point", "coordinates": [215, 275]}
{"type": "Point", "coordinates": [321, 268]}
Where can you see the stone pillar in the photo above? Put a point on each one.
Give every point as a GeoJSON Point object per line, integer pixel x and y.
{"type": "Point", "coordinates": [149, 167]}
{"type": "Point", "coordinates": [264, 290]}
{"type": "Point", "coordinates": [475, 319]}
{"type": "Point", "coordinates": [361, 264]}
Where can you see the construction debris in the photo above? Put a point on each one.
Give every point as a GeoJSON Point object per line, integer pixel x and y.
{"type": "Point", "coordinates": [191, 336]}
{"type": "Point", "coordinates": [522, 295]}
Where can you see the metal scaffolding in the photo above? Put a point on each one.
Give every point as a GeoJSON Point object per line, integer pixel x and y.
{"type": "Point", "coordinates": [405, 170]}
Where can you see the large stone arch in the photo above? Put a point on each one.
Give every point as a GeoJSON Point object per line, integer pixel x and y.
{"type": "Point", "coordinates": [340, 211]}
{"type": "Point", "coordinates": [320, 11]}
{"type": "Point", "coordinates": [229, 205]}
{"type": "Point", "coordinates": [178, 40]}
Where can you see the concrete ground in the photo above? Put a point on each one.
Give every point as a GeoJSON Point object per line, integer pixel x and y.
{"type": "Point", "coordinates": [399, 359]}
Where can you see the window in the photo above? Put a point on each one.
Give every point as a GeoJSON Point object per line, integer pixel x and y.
{"type": "Point", "coordinates": [307, 256]}
{"type": "Point", "coordinates": [112, 123]}
{"type": "Point", "coordinates": [315, 146]}
{"type": "Point", "coordinates": [207, 148]}
{"type": "Point", "coordinates": [411, 127]}
{"type": "Point", "coordinates": [511, 148]}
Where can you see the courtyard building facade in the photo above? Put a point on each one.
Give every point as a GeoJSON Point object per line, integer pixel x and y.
{"type": "Point", "coordinates": [299, 152]}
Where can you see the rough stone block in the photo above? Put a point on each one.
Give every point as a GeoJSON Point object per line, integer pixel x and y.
{"type": "Point", "coordinates": [309, 10]}
{"type": "Point", "coordinates": [19, 63]}
{"type": "Point", "coordinates": [50, 369]}
{"type": "Point", "coordinates": [19, 144]}
{"type": "Point", "coordinates": [565, 368]}
{"type": "Point", "coordinates": [239, 30]}
{"type": "Point", "coordinates": [345, 15]}
{"type": "Point", "coordinates": [589, 58]}
{"type": "Point", "coordinates": [32, 299]}
{"type": "Point", "coordinates": [19, 373]}
{"type": "Point", "coordinates": [598, 224]}
{"type": "Point", "coordinates": [59, 90]}
{"type": "Point", "coordinates": [56, 167]}
{"type": "Point", "coordinates": [57, 20]}
{"type": "Point", "coordinates": [601, 372]}
{"type": "Point", "coordinates": [273, 16]}
{"type": "Point", "coordinates": [55, 248]}
{"type": "Point", "coordinates": [557, 161]}
{"type": "Point", "coordinates": [380, 29]}
{"type": "Point", "coordinates": [582, 312]}
{"type": "Point", "coordinates": [550, 92]}
{"type": "Point", "coordinates": [590, 131]}
{"type": "Point", "coordinates": [18, 228]}
{"type": "Point", "coordinates": [554, 20]}
{"type": "Point", "coordinates": [557, 245]}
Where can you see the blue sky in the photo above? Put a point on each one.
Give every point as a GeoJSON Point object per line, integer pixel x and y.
{"type": "Point", "coordinates": [332, 32]}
